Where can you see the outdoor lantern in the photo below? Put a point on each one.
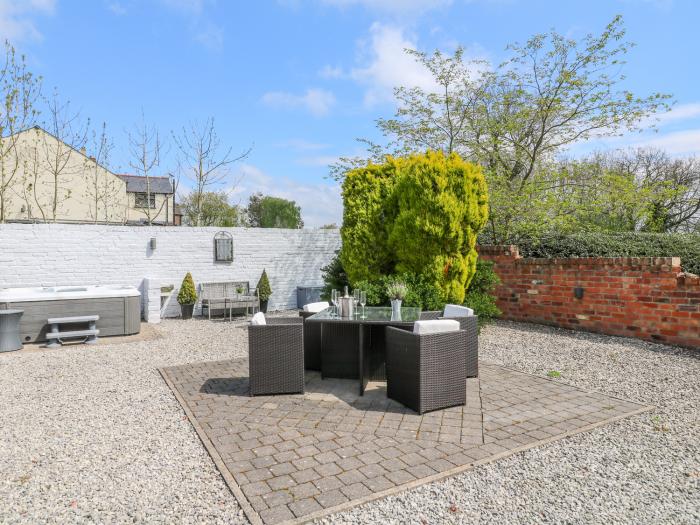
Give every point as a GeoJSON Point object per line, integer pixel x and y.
{"type": "Point", "coordinates": [152, 243]}
{"type": "Point", "coordinates": [578, 293]}
{"type": "Point", "coordinates": [223, 247]}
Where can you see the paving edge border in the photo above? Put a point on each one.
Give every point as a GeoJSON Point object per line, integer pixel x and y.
{"type": "Point", "coordinates": [250, 513]}
{"type": "Point", "coordinates": [255, 519]}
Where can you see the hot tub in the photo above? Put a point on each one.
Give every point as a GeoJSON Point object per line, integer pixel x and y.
{"type": "Point", "coordinates": [119, 307]}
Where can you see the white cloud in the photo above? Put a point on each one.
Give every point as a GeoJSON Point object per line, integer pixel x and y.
{"type": "Point", "coordinates": [210, 35]}
{"type": "Point", "coordinates": [390, 65]}
{"type": "Point", "coordinates": [677, 113]}
{"type": "Point", "coordinates": [668, 133]}
{"type": "Point", "coordinates": [320, 203]}
{"type": "Point", "coordinates": [117, 8]}
{"type": "Point", "coordinates": [331, 72]}
{"type": "Point", "coordinates": [16, 18]}
{"type": "Point", "coordinates": [317, 101]}
{"type": "Point", "coordinates": [686, 142]}
{"type": "Point", "coordinates": [392, 6]}
{"type": "Point", "coordinates": [319, 160]}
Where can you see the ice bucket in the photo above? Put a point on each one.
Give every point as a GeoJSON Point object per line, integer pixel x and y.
{"type": "Point", "coordinates": [346, 306]}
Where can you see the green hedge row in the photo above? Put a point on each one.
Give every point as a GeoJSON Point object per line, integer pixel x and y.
{"type": "Point", "coordinates": [632, 244]}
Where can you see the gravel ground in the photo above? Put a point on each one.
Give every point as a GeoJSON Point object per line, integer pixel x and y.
{"type": "Point", "coordinates": [641, 470]}
{"type": "Point", "coordinates": [92, 434]}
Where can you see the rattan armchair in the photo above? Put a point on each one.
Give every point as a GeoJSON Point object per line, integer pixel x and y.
{"type": "Point", "coordinates": [471, 325]}
{"type": "Point", "coordinates": [426, 372]}
{"type": "Point", "coordinates": [276, 356]}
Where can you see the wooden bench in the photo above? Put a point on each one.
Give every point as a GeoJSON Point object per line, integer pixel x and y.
{"type": "Point", "coordinates": [89, 335]}
{"type": "Point", "coordinates": [226, 294]}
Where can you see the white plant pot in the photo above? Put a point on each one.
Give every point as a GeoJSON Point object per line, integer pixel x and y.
{"type": "Point", "coordinates": [396, 309]}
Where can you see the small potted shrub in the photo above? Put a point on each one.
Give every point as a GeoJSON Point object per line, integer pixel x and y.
{"type": "Point", "coordinates": [264, 291]}
{"type": "Point", "coordinates": [187, 296]}
{"type": "Point", "coordinates": [397, 291]}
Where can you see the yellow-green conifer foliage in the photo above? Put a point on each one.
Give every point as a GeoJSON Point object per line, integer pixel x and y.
{"type": "Point", "coordinates": [442, 205]}
{"type": "Point", "coordinates": [188, 292]}
{"type": "Point", "coordinates": [420, 214]}
{"type": "Point", "coordinates": [366, 195]}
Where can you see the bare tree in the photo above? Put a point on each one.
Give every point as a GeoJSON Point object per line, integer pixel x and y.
{"type": "Point", "coordinates": [51, 159]}
{"type": "Point", "coordinates": [202, 163]}
{"type": "Point", "coordinates": [674, 184]}
{"type": "Point", "coordinates": [19, 90]}
{"type": "Point", "coordinates": [71, 135]}
{"type": "Point", "coordinates": [145, 154]}
{"type": "Point", "coordinates": [101, 189]}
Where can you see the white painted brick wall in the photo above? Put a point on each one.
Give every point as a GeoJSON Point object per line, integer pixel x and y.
{"type": "Point", "coordinates": [72, 254]}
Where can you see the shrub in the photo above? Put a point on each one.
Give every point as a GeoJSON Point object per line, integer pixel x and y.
{"type": "Point", "coordinates": [366, 191]}
{"type": "Point", "coordinates": [629, 244]}
{"type": "Point", "coordinates": [187, 293]}
{"type": "Point", "coordinates": [479, 296]}
{"type": "Point", "coordinates": [419, 215]}
{"type": "Point", "coordinates": [441, 205]}
{"type": "Point", "coordinates": [334, 277]}
{"type": "Point", "coordinates": [264, 290]}
{"type": "Point", "coordinates": [420, 291]}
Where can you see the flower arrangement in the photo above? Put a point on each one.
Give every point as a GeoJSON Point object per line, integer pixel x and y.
{"type": "Point", "coordinates": [397, 290]}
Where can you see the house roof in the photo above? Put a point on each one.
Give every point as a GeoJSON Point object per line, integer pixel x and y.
{"type": "Point", "coordinates": [137, 184]}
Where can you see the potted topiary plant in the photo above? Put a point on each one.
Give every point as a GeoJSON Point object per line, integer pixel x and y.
{"type": "Point", "coordinates": [264, 291]}
{"type": "Point", "coordinates": [187, 296]}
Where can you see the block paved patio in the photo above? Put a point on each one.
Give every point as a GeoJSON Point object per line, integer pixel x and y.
{"type": "Point", "coordinates": [298, 457]}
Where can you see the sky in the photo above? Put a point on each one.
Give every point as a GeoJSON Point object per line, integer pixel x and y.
{"type": "Point", "coordinates": [300, 80]}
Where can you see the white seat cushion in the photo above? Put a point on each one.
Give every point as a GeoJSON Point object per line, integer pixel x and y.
{"type": "Point", "coordinates": [316, 307]}
{"type": "Point", "coordinates": [258, 319]}
{"type": "Point", "coordinates": [435, 326]}
{"type": "Point", "coordinates": [455, 310]}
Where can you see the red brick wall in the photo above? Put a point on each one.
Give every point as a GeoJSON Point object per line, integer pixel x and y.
{"type": "Point", "coordinates": [644, 297]}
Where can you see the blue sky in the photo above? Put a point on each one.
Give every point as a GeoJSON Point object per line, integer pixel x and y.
{"type": "Point", "coordinates": [300, 80]}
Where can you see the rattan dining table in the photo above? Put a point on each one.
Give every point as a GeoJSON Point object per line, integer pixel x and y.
{"type": "Point", "coordinates": [353, 347]}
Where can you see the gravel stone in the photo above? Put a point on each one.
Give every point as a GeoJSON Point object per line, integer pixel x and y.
{"type": "Point", "coordinates": [94, 435]}
{"type": "Point", "coordinates": [643, 469]}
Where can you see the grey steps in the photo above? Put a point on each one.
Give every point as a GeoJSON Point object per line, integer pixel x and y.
{"type": "Point", "coordinates": [75, 333]}
{"type": "Point", "coordinates": [77, 319]}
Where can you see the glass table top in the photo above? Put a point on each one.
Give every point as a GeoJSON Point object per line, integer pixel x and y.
{"type": "Point", "coordinates": [372, 314]}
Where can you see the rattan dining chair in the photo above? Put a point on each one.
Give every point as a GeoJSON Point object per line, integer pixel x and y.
{"type": "Point", "coordinates": [471, 325]}
{"type": "Point", "coordinates": [276, 356]}
{"type": "Point", "coordinates": [426, 372]}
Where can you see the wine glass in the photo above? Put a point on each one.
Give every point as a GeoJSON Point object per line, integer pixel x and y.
{"type": "Point", "coordinates": [334, 300]}
{"type": "Point", "coordinates": [363, 302]}
{"type": "Point", "coordinates": [355, 298]}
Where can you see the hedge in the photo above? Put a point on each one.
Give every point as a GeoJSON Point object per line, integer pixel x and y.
{"type": "Point", "coordinates": [630, 244]}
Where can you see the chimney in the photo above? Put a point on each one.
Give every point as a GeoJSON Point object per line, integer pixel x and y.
{"type": "Point", "coordinates": [83, 150]}
{"type": "Point", "coordinates": [93, 159]}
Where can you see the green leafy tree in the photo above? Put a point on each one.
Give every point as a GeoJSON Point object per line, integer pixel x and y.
{"type": "Point", "coordinates": [418, 215]}
{"type": "Point", "coordinates": [265, 211]}
{"type": "Point", "coordinates": [514, 118]}
{"type": "Point", "coordinates": [188, 292]}
{"type": "Point", "coordinates": [211, 208]}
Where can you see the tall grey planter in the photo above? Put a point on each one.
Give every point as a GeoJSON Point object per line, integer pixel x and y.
{"type": "Point", "coordinates": [9, 330]}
